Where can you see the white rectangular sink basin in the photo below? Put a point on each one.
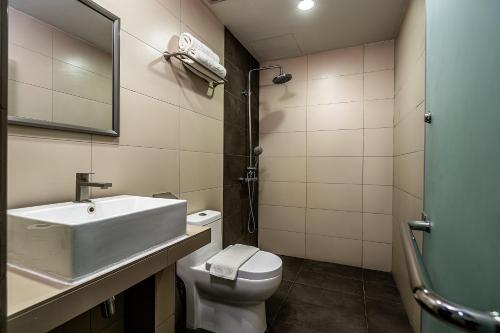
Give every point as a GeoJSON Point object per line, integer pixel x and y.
{"type": "Point", "coordinates": [71, 240]}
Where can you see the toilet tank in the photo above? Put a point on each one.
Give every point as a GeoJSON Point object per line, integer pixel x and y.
{"type": "Point", "coordinates": [206, 218]}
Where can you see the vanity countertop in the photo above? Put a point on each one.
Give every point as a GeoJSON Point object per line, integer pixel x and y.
{"type": "Point", "coordinates": [33, 302]}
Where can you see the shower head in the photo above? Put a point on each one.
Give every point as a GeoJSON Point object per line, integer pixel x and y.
{"type": "Point", "coordinates": [282, 78]}
{"type": "Point", "coordinates": [258, 150]}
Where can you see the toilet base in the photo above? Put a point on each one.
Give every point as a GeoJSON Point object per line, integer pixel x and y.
{"type": "Point", "coordinates": [222, 318]}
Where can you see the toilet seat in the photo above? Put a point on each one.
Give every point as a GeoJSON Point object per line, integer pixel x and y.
{"type": "Point", "coordinates": [262, 265]}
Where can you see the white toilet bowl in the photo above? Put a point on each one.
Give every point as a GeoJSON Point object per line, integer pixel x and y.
{"type": "Point", "coordinates": [221, 305]}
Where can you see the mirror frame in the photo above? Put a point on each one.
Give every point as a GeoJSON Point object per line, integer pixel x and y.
{"type": "Point", "coordinates": [115, 131]}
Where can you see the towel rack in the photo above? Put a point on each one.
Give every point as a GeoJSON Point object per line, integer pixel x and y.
{"type": "Point", "coordinates": [196, 67]}
{"type": "Point", "coordinates": [468, 319]}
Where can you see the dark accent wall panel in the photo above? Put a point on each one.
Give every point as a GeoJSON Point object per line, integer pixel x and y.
{"type": "Point", "coordinates": [238, 61]}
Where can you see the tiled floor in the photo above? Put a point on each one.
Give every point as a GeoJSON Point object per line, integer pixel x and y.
{"type": "Point", "coordinates": [322, 297]}
{"type": "Point", "coordinates": [319, 297]}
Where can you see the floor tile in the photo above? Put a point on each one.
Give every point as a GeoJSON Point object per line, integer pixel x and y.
{"type": "Point", "coordinates": [329, 281]}
{"type": "Point", "coordinates": [378, 277]}
{"type": "Point", "coordinates": [274, 303]}
{"type": "Point", "coordinates": [381, 292]}
{"type": "Point", "coordinates": [337, 302]}
{"type": "Point", "coordinates": [281, 327]}
{"type": "Point", "coordinates": [291, 267]}
{"type": "Point", "coordinates": [320, 318]}
{"type": "Point", "coordinates": [337, 269]}
{"type": "Point", "coordinates": [387, 317]}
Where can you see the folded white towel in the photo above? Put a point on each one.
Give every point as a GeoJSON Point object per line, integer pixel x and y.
{"type": "Point", "coordinates": [204, 59]}
{"type": "Point", "coordinates": [188, 41]}
{"type": "Point", "coordinates": [226, 263]}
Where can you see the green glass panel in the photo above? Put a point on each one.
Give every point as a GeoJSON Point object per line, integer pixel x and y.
{"type": "Point", "coordinates": [462, 178]}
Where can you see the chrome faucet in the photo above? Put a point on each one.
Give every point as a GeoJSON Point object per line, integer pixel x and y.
{"type": "Point", "coordinates": [83, 186]}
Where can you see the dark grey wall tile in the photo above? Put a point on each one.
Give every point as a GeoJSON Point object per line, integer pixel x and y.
{"type": "Point", "coordinates": [238, 62]}
{"type": "Point", "coordinates": [235, 109]}
{"type": "Point", "coordinates": [234, 140]}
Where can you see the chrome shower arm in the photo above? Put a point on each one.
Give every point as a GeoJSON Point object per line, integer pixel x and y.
{"type": "Point", "coordinates": [249, 96]}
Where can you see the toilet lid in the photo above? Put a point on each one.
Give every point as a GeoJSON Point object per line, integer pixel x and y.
{"type": "Point", "coordinates": [263, 265]}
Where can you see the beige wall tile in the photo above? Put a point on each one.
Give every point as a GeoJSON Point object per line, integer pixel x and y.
{"type": "Point", "coordinates": [335, 143]}
{"type": "Point", "coordinates": [409, 133]}
{"type": "Point", "coordinates": [377, 199]}
{"type": "Point", "coordinates": [81, 54]}
{"type": "Point", "coordinates": [334, 223]}
{"type": "Point", "coordinates": [173, 5]}
{"type": "Point", "coordinates": [335, 116]}
{"type": "Point", "coordinates": [200, 133]}
{"type": "Point", "coordinates": [379, 85]}
{"type": "Point", "coordinates": [334, 196]}
{"type": "Point", "coordinates": [57, 160]}
{"type": "Point", "coordinates": [340, 250]}
{"type": "Point", "coordinates": [204, 199]}
{"type": "Point", "coordinates": [199, 171]}
{"type": "Point", "coordinates": [291, 119]}
{"type": "Point", "coordinates": [379, 56]}
{"type": "Point", "coordinates": [29, 33]}
{"type": "Point", "coordinates": [29, 67]}
{"type": "Point", "coordinates": [336, 62]}
{"type": "Point", "coordinates": [283, 144]}
{"type": "Point", "coordinates": [343, 170]}
{"type": "Point", "coordinates": [379, 113]}
{"type": "Point", "coordinates": [282, 194]}
{"type": "Point", "coordinates": [144, 70]}
{"type": "Point", "coordinates": [147, 122]}
{"type": "Point", "coordinates": [135, 170]}
{"type": "Point", "coordinates": [150, 22]}
{"type": "Point", "coordinates": [282, 218]}
{"type": "Point", "coordinates": [276, 97]}
{"type": "Point", "coordinates": [378, 142]}
{"type": "Point", "coordinates": [377, 228]}
{"type": "Point", "coordinates": [78, 111]}
{"type": "Point", "coordinates": [377, 256]}
{"type": "Point", "coordinates": [282, 242]}
{"type": "Point", "coordinates": [339, 89]}
{"type": "Point", "coordinates": [195, 94]}
{"type": "Point", "coordinates": [295, 66]}
{"type": "Point", "coordinates": [291, 169]}
{"type": "Point", "coordinates": [408, 138]}
{"type": "Point", "coordinates": [29, 101]}
{"type": "Point", "coordinates": [411, 173]}
{"type": "Point", "coordinates": [75, 81]}
{"type": "Point", "coordinates": [378, 170]}
{"type": "Point", "coordinates": [204, 23]}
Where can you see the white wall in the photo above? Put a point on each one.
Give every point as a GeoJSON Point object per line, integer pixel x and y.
{"type": "Point", "coordinates": [326, 171]}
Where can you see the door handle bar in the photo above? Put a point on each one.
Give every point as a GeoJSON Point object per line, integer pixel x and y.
{"type": "Point", "coordinates": [463, 317]}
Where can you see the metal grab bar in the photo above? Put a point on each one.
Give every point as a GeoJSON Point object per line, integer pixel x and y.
{"type": "Point", "coordinates": [457, 315]}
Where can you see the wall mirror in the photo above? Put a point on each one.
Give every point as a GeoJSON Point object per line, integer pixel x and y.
{"type": "Point", "coordinates": [63, 66]}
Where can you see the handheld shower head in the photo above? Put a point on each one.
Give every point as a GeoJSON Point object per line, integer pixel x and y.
{"type": "Point", "coordinates": [258, 150]}
{"type": "Point", "coordinates": [282, 78]}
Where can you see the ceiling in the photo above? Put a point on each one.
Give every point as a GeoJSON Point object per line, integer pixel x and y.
{"type": "Point", "coordinates": [73, 17]}
{"type": "Point", "coordinates": [274, 29]}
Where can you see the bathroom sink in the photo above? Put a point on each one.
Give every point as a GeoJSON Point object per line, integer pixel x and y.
{"type": "Point", "coordinates": [71, 240]}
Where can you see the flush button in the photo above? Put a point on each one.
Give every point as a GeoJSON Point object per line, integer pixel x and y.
{"type": "Point", "coordinates": [203, 214]}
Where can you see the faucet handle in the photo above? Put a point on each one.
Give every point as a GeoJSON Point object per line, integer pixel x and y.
{"type": "Point", "coordinates": [83, 175]}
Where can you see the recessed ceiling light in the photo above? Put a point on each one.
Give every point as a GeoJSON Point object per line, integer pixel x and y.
{"type": "Point", "coordinates": [305, 4]}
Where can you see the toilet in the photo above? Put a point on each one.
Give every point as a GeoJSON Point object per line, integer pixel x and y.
{"type": "Point", "coordinates": [225, 306]}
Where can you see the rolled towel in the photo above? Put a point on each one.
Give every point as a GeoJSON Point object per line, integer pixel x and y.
{"type": "Point", "coordinates": [188, 42]}
{"type": "Point", "coordinates": [204, 59]}
{"type": "Point", "coordinates": [227, 262]}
